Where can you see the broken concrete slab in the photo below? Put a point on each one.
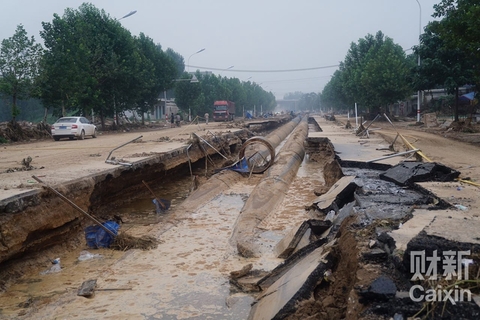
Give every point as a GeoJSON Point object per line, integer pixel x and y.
{"type": "Point", "coordinates": [465, 231]}
{"type": "Point", "coordinates": [299, 237]}
{"type": "Point", "coordinates": [406, 173]}
{"type": "Point", "coordinates": [380, 199]}
{"type": "Point", "coordinates": [344, 212]}
{"type": "Point", "coordinates": [247, 279]}
{"type": "Point", "coordinates": [439, 236]}
{"type": "Point", "coordinates": [339, 194]}
{"type": "Point", "coordinates": [281, 269]}
{"type": "Point", "coordinates": [411, 228]}
{"type": "Point", "coordinates": [295, 285]}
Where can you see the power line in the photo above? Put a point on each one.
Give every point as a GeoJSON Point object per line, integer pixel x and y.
{"type": "Point", "coordinates": [264, 71]}
{"type": "Point", "coordinates": [291, 80]}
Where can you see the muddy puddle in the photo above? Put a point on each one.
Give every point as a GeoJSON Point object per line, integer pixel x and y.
{"type": "Point", "coordinates": [142, 209]}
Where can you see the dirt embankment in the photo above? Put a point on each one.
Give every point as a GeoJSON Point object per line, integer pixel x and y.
{"type": "Point", "coordinates": [468, 132]}
{"type": "Point", "coordinates": [23, 131]}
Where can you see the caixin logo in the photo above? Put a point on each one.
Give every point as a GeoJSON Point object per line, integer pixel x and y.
{"type": "Point", "coordinates": [425, 268]}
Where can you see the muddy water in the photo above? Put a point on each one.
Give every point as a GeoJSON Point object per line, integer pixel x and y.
{"type": "Point", "coordinates": [292, 210]}
{"type": "Point", "coordinates": [186, 277]}
{"type": "Point", "coordinates": [142, 210]}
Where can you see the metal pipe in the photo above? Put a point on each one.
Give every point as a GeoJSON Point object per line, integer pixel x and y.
{"type": "Point", "coordinates": [393, 155]}
{"type": "Point", "coordinates": [118, 162]}
{"type": "Point", "coordinates": [270, 192]}
{"type": "Point", "coordinates": [189, 160]}
{"type": "Point", "coordinates": [75, 206]}
{"type": "Point", "coordinates": [107, 161]}
{"type": "Point", "coordinates": [208, 144]}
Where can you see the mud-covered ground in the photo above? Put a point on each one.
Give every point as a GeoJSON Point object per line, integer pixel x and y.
{"type": "Point", "coordinates": [187, 275]}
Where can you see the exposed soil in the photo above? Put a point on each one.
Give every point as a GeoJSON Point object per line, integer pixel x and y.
{"type": "Point", "coordinates": [329, 300]}
{"type": "Point", "coordinates": [178, 281]}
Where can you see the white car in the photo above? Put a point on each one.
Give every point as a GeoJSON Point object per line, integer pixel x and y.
{"type": "Point", "coordinates": [73, 127]}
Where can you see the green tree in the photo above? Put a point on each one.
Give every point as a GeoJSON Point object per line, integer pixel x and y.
{"type": "Point", "coordinates": [188, 95]}
{"type": "Point", "coordinates": [460, 28]}
{"type": "Point", "coordinates": [19, 58]}
{"type": "Point", "coordinates": [308, 101]}
{"type": "Point", "coordinates": [442, 65]}
{"type": "Point", "coordinates": [199, 97]}
{"type": "Point", "coordinates": [375, 73]}
{"type": "Point", "coordinates": [210, 86]}
{"type": "Point", "coordinates": [293, 95]}
{"type": "Point", "coordinates": [178, 60]}
{"type": "Point", "coordinates": [238, 95]}
{"type": "Point", "coordinates": [385, 75]}
{"type": "Point", "coordinates": [155, 74]}
{"type": "Point", "coordinates": [333, 96]}
{"type": "Point", "coordinates": [91, 63]}
{"type": "Point", "coordinates": [352, 67]}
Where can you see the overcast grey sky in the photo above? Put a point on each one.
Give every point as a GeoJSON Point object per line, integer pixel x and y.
{"type": "Point", "coordinates": [255, 35]}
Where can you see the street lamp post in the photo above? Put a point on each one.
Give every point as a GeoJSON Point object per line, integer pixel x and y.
{"type": "Point", "coordinates": [418, 61]}
{"type": "Point", "coordinates": [115, 118]}
{"type": "Point", "coordinates": [192, 80]}
{"type": "Point", "coordinates": [254, 105]}
{"type": "Point", "coordinates": [131, 13]}
{"type": "Point", "coordinates": [188, 61]}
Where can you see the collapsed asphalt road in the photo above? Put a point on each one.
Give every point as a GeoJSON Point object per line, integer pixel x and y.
{"type": "Point", "coordinates": [350, 270]}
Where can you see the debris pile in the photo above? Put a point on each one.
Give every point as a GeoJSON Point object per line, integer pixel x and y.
{"type": "Point", "coordinates": [26, 166]}
{"type": "Point", "coordinates": [324, 276]}
{"type": "Point", "coordinates": [23, 131]}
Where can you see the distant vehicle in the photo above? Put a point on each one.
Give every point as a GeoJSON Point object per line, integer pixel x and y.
{"type": "Point", "coordinates": [73, 127]}
{"type": "Point", "coordinates": [223, 110]}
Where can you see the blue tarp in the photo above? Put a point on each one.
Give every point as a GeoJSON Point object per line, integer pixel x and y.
{"type": "Point", "coordinates": [97, 237]}
{"type": "Point", "coordinates": [469, 96]}
{"type": "Point", "coordinates": [239, 166]}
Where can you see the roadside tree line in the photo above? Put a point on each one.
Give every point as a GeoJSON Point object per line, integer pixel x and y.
{"type": "Point", "coordinates": [90, 64]}
{"type": "Point", "coordinates": [376, 72]}
{"type": "Point", "coordinates": [199, 97]}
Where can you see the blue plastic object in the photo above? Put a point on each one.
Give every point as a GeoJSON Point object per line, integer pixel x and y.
{"type": "Point", "coordinates": [157, 206]}
{"type": "Point", "coordinates": [97, 237]}
{"type": "Point", "coordinates": [241, 166]}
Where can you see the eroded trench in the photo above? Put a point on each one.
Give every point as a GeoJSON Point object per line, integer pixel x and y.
{"type": "Point", "coordinates": [203, 239]}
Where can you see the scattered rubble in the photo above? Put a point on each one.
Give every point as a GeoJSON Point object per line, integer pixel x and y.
{"type": "Point", "coordinates": [26, 166]}
{"type": "Point", "coordinates": [302, 285]}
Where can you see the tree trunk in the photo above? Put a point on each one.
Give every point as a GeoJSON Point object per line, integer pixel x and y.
{"type": "Point", "coordinates": [102, 119]}
{"type": "Point", "coordinates": [14, 109]}
{"type": "Point", "coordinates": [455, 110]}
{"type": "Point", "coordinates": [45, 115]}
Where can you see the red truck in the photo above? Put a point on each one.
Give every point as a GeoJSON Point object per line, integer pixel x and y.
{"type": "Point", "coordinates": [223, 110]}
